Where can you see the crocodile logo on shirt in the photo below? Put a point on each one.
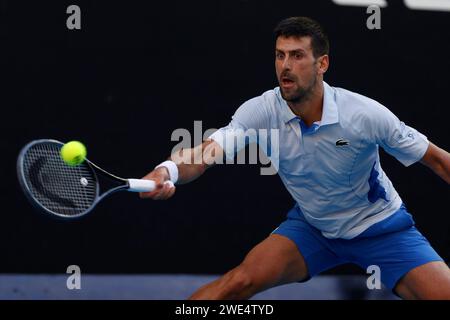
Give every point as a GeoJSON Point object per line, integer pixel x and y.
{"type": "Point", "coordinates": [342, 142]}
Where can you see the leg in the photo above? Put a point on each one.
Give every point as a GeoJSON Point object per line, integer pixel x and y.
{"type": "Point", "coordinates": [409, 265]}
{"type": "Point", "coordinates": [428, 281]}
{"type": "Point", "coordinates": [274, 261]}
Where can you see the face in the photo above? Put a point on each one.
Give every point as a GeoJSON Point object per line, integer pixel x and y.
{"type": "Point", "coordinates": [296, 67]}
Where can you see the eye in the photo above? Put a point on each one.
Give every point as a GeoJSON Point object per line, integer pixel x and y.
{"type": "Point", "coordinates": [298, 55]}
{"type": "Point", "coordinates": [279, 55]}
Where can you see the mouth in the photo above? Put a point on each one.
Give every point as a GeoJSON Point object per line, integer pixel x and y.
{"type": "Point", "coordinates": [287, 82]}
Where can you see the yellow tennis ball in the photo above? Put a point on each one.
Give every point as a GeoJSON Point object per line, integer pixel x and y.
{"type": "Point", "coordinates": [73, 153]}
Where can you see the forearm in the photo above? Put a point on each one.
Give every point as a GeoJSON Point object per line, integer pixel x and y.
{"type": "Point", "coordinates": [438, 160]}
{"type": "Point", "coordinates": [189, 172]}
{"type": "Point", "coordinates": [192, 163]}
{"type": "Point", "coordinates": [442, 169]}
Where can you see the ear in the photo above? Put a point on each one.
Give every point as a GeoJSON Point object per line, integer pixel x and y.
{"type": "Point", "coordinates": [322, 63]}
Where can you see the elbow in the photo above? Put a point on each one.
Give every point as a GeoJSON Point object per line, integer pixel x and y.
{"type": "Point", "coordinates": [442, 169]}
{"type": "Point", "coordinates": [438, 160]}
{"type": "Point", "coordinates": [443, 172]}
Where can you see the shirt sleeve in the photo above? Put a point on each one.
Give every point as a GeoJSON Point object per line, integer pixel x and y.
{"type": "Point", "coordinates": [243, 127]}
{"type": "Point", "coordinates": [401, 141]}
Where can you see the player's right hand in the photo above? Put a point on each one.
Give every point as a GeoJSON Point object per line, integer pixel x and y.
{"type": "Point", "coordinates": [164, 188]}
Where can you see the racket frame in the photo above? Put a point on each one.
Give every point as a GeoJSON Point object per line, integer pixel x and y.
{"type": "Point", "coordinates": [95, 169]}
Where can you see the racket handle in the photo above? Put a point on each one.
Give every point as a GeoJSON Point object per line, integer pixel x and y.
{"type": "Point", "coordinates": [142, 185]}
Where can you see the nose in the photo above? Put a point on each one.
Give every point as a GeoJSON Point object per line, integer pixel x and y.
{"type": "Point", "coordinates": [286, 65]}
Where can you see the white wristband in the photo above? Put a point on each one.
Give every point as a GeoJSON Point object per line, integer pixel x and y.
{"type": "Point", "coordinates": [172, 168]}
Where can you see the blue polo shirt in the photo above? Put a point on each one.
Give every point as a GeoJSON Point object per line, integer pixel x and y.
{"type": "Point", "coordinates": [332, 168]}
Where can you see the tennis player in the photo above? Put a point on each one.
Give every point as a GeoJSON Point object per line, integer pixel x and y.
{"type": "Point", "coordinates": [347, 210]}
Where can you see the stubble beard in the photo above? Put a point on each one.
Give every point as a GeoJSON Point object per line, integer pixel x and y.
{"type": "Point", "coordinates": [300, 95]}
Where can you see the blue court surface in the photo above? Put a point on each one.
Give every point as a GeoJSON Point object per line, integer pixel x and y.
{"type": "Point", "coordinates": [178, 287]}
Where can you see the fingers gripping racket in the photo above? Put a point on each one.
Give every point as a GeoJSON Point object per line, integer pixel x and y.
{"type": "Point", "coordinates": [65, 191]}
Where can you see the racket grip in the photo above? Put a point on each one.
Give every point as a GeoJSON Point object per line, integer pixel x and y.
{"type": "Point", "coordinates": [141, 185]}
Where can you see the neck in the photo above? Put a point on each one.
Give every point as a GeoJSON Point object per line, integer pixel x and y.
{"type": "Point", "coordinates": [310, 110]}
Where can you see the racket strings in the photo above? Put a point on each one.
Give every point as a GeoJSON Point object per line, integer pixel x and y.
{"type": "Point", "coordinates": [60, 188]}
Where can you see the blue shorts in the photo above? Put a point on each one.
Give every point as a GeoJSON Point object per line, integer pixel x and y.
{"type": "Point", "coordinates": [394, 245]}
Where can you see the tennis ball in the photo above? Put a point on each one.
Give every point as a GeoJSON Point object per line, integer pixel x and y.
{"type": "Point", "coordinates": [73, 153]}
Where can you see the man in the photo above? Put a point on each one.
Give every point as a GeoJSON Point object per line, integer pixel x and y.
{"type": "Point", "coordinates": [346, 207]}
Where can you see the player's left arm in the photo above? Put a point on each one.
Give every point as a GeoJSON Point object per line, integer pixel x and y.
{"type": "Point", "coordinates": [438, 160]}
{"type": "Point", "coordinates": [403, 142]}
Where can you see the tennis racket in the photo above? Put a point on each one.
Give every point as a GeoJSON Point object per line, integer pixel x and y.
{"type": "Point", "coordinates": [67, 191]}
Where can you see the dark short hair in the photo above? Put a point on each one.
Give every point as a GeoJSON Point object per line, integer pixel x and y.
{"type": "Point", "coordinates": [305, 27]}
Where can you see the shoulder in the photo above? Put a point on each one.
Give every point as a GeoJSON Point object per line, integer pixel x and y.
{"type": "Point", "coordinates": [260, 108]}
{"type": "Point", "coordinates": [356, 108]}
{"type": "Point", "coordinates": [354, 102]}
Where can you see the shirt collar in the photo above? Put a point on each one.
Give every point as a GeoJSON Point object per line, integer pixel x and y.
{"type": "Point", "coordinates": [329, 112]}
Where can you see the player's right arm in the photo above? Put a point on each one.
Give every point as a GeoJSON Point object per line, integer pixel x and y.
{"type": "Point", "coordinates": [191, 164]}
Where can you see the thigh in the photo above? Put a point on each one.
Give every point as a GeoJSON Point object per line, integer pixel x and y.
{"type": "Point", "coordinates": [428, 281]}
{"type": "Point", "coordinates": [316, 250]}
{"type": "Point", "coordinates": [395, 253]}
{"type": "Point", "coordinates": [274, 261]}
{"type": "Point", "coordinates": [294, 252]}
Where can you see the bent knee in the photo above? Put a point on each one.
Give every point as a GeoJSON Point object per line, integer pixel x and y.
{"type": "Point", "coordinates": [430, 281]}
{"type": "Point", "coordinates": [241, 279]}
